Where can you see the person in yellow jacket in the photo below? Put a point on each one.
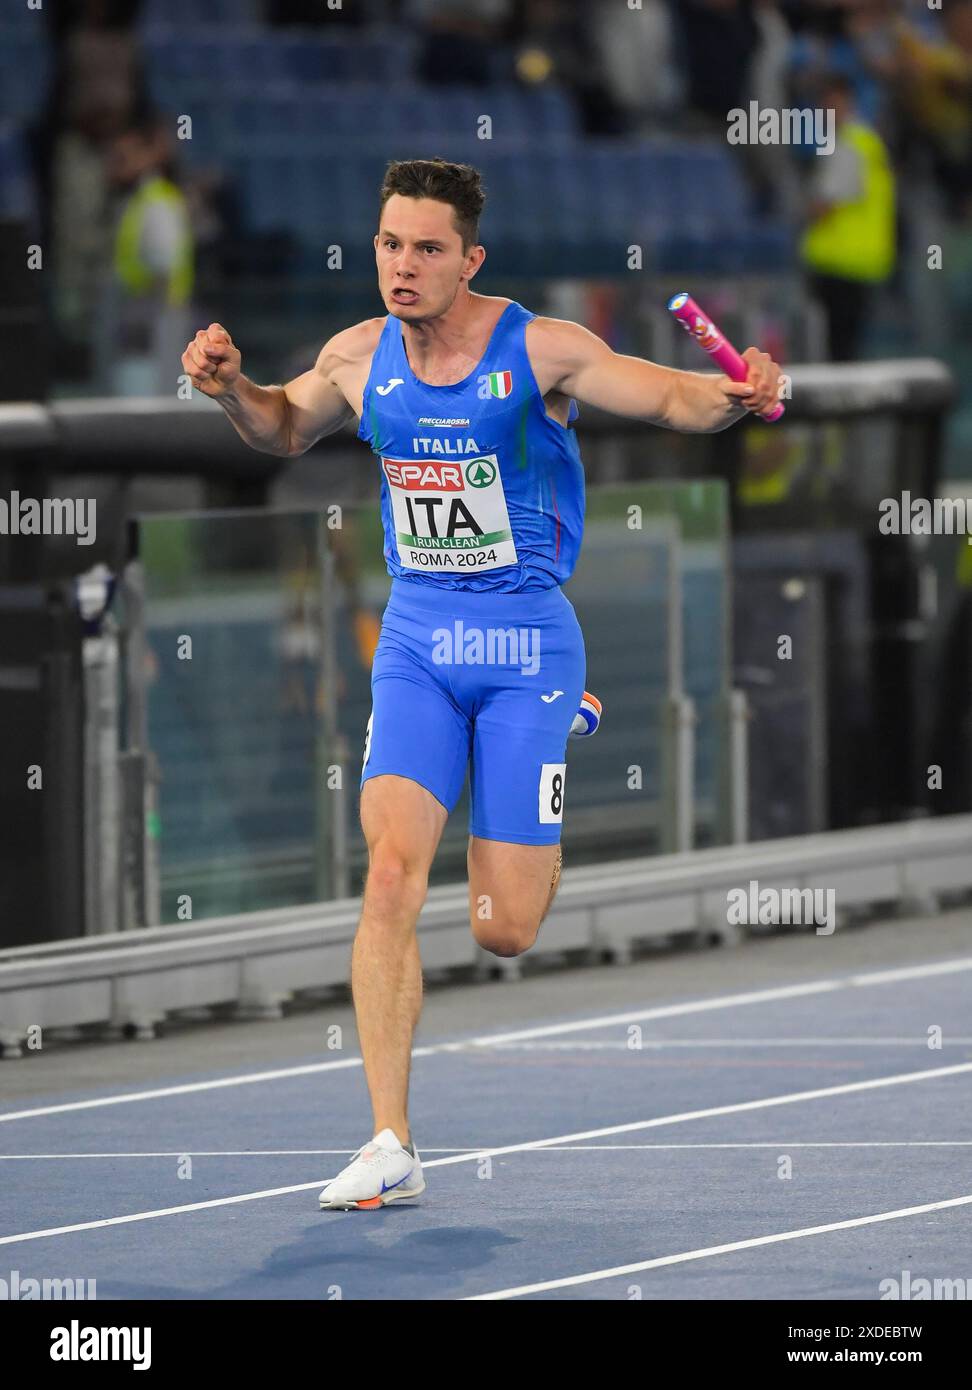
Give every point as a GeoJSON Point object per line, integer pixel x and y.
{"type": "Point", "coordinates": [849, 247]}
{"type": "Point", "coordinates": [145, 309]}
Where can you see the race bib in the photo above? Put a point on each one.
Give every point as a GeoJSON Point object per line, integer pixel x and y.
{"type": "Point", "coordinates": [552, 778]}
{"type": "Point", "coordinates": [450, 516]}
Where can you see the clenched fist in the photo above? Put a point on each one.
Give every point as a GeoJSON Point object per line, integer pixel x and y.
{"type": "Point", "coordinates": [212, 362]}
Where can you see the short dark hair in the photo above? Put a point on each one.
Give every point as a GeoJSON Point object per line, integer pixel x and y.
{"type": "Point", "coordinates": [460, 185]}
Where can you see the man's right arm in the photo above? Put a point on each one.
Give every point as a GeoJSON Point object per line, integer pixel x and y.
{"type": "Point", "coordinates": [281, 420]}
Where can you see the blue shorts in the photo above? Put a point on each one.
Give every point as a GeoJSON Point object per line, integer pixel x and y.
{"type": "Point", "coordinates": [489, 681]}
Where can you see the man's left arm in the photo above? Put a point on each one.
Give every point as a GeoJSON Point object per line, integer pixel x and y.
{"type": "Point", "coordinates": [570, 359]}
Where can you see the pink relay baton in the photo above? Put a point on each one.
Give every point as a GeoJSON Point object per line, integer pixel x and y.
{"type": "Point", "coordinates": [705, 332]}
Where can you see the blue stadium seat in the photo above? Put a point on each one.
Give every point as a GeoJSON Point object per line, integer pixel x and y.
{"type": "Point", "coordinates": [16, 187]}
{"type": "Point", "coordinates": [267, 186]}
{"type": "Point", "coordinates": [604, 172]}
{"type": "Point", "coordinates": [259, 125]}
{"type": "Point", "coordinates": [410, 107]}
{"type": "Point", "coordinates": [531, 113]}
{"type": "Point", "coordinates": [21, 23]}
{"type": "Point", "coordinates": [186, 14]}
{"type": "Point", "coordinates": [317, 118]}
{"type": "Point", "coordinates": [25, 69]}
{"type": "Point", "coordinates": [389, 59]}
{"type": "Point", "coordinates": [312, 58]}
{"type": "Point", "coordinates": [558, 114]}
{"type": "Point", "coordinates": [360, 181]}
{"type": "Point", "coordinates": [251, 56]}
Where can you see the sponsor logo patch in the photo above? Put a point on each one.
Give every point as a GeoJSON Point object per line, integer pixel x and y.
{"type": "Point", "coordinates": [417, 476]}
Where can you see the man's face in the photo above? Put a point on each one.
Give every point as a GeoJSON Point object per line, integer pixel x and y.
{"type": "Point", "coordinates": [420, 259]}
{"type": "Point", "coordinates": [129, 157]}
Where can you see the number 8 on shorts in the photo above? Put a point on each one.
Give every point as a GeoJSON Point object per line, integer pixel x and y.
{"type": "Point", "coordinates": [552, 777]}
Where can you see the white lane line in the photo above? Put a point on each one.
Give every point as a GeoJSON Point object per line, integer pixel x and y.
{"type": "Point", "coordinates": [660, 1044]}
{"type": "Point", "coordinates": [779, 1144]}
{"type": "Point", "coordinates": [488, 1040]}
{"type": "Point", "coordinates": [162, 1211]}
{"type": "Point", "coordinates": [728, 1001]}
{"type": "Point", "coordinates": [242, 1153]}
{"type": "Point", "coordinates": [848, 1088]}
{"type": "Point", "coordinates": [913, 972]}
{"type": "Point", "coordinates": [692, 1006]}
{"type": "Point", "coordinates": [712, 1250]}
{"type": "Point", "coordinates": [547, 1148]}
{"type": "Point", "coordinates": [183, 1089]}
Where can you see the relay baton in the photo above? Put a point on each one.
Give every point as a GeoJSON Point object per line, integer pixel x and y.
{"type": "Point", "coordinates": [708, 336]}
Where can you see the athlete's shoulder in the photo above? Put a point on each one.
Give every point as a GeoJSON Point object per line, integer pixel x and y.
{"type": "Point", "coordinates": [557, 330]}
{"type": "Point", "coordinates": [354, 343]}
{"type": "Point", "coordinates": [499, 302]}
{"type": "Point", "coordinates": [560, 340]}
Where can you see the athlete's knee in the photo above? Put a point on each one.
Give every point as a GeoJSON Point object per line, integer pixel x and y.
{"type": "Point", "coordinates": [509, 937]}
{"type": "Point", "coordinates": [396, 876]}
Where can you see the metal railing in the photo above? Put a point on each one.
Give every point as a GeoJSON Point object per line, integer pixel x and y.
{"type": "Point", "coordinates": [257, 962]}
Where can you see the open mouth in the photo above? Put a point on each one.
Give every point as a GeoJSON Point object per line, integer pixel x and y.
{"type": "Point", "coordinates": [404, 296]}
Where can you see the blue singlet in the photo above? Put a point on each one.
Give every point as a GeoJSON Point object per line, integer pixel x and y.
{"type": "Point", "coordinates": [481, 655]}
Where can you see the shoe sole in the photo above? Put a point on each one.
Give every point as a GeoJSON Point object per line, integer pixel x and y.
{"type": "Point", "coordinates": [373, 1203]}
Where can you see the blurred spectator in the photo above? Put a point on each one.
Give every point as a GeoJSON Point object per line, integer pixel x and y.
{"type": "Point", "coordinates": [458, 38]}
{"type": "Point", "coordinates": [857, 40]}
{"type": "Point", "coordinates": [936, 91]}
{"type": "Point", "coordinates": [872, 28]}
{"type": "Point", "coordinates": [718, 41]}
{"type": "Point", "coordinates": [770, 168]}
{"type": "Point", "coordinates": [556, 40]}
{"type": "Point", "coordinates": [676, 64]}
{"type": "Point", "coordinates": [849, 246]}
{"type": "Point", "coordinates": [636, 48]}
{"type": "Point", "coordinates": [143, 324]}
{"type": "Point", "coordinates": [97, 89]}
{"type": "Point", "coordinates": [770, 59]}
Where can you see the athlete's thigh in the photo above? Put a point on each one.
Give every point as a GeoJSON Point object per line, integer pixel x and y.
{"type": "Point", "coordinates": [402, 817]}
{"type": "Point", "coordinates": [416, 730]}
{"type": "Point", "coordinates": [509, 883]}
{"type": "Point", "coordinates": [519, 758]}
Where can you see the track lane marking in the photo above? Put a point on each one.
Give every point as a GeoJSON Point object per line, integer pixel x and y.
{"type": "Point", "coordinates": [709, 1251]}
{"type": "Point", "coordinates": [951, 966]}
{"type": "Point", "coordinates": [739, 1107]}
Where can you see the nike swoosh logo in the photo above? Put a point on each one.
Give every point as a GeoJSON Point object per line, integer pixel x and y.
{"type": "Point", "coordinates": [549, 699]}
{"type": "Point", "coordinates": [395, 381]}
{"type": "Point", "coordinates": [396, 1184]}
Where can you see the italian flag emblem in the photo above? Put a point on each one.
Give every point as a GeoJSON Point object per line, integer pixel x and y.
{"type": "Point", "coordinates": [500, 384]}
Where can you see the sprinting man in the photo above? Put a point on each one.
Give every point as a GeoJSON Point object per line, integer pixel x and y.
{"type": "Point", "coordinates": [466, 401]}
